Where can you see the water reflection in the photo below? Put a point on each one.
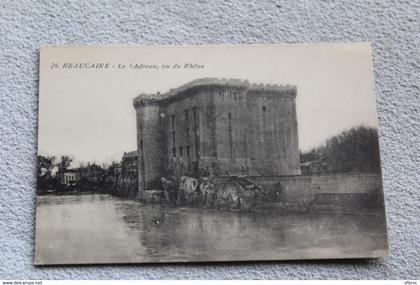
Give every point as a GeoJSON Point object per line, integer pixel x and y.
{"type": "Point", "coordinates": [103, 229]}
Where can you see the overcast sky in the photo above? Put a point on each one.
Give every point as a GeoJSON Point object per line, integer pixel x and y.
{"type": "Point", "coordinates": [89, 115]}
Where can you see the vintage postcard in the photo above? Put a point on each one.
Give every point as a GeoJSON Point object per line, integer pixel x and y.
{"type": "Point", "coordinates": [151, 154]}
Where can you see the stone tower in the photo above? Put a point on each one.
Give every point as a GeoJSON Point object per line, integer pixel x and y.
{"type": "Point", "coordinates": [149, 140]}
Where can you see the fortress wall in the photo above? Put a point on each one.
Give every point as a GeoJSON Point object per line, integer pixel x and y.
{"type": "Point", "coordinates": [256, 132]}
{"type": "Point", "coordinates": [200, 137]}
{"type": "Point", "coordinates": [238, 128]}
{"type": "Point", "coordinates": [336, 192]}
{"type": "Point", "coordinates": [308, 187]}
{"type": "Point", "coordinates": [232, 118]}
{"type": "Point", "coordinates": [289, 132]}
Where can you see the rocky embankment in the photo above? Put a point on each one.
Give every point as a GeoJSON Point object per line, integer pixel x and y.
{"type": "Point", "coordinates": [235, 193]}
{"type": "Point", "coordinates": [345, 192]}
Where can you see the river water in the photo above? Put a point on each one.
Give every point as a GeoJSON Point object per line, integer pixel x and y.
{"type": "Point", "coordinates": [99, 228]}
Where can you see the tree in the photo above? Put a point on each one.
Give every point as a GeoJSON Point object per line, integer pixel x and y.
{"type": "Point", "coordinates": [65, 162]}
{"type": "Point", "coordinates": [45, 165]}
{"type": "Point", "coordinates": [356, 149]}
{"type": "Point", "coordinates": [45, 168]}
{"type": "Point", "coordinates": [95, 173]}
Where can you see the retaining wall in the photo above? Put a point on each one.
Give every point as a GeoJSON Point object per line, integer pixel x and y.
{"type": "Point", "coordinates": [327, 191]}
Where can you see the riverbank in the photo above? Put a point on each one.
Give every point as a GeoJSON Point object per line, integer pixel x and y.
{"type": "Point", "coordinates": [328, 192]}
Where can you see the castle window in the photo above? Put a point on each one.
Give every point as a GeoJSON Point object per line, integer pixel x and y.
{"type": "Point", "coordinates": [264, 108]}
{"type": "Point", "coordinates": [173, 121]}
{"type": "Point", "coordinates": [195, 115]}
{"type": "Point", "coordinates": [180, 151]}
{"type": "Point", "coordinates": [173, 152]}
{"type": "Point", "coordinates": [230, 115]}
{"type": "Point", "coordinates": [141, 145]}
{"type": "Point", "coordinates": [186, 115]}
{"type": "Point", "coordinates": [173, 138]}
{"type": "Point", "coordinates": [187, 131]}
{"type": "Point", "coordinates": [187, 150]}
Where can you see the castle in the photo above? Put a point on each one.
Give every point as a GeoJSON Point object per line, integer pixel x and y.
{"type": "Point", "coordinates": [220, 126]}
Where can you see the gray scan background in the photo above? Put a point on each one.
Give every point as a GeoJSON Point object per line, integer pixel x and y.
{"type": "Point", "coordinates": [392, 26]}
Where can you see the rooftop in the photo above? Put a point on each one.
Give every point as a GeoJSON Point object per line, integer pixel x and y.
{"type": "Point", "coordinates": [130, 154]}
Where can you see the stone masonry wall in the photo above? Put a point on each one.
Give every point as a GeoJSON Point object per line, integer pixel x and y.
{"type": "Point", "coordinates": [188, 130]}
{"type": "Point", "coordinates": [256, 131]}
{"type": "Point", "coordinates": [327, 191]}
{"type": "Point", "coordinates": [149, 145]}
{"type": "Point", "coordinates": [231, 127]}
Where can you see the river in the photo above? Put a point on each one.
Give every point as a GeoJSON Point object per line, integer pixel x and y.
{"type": "Point", "coordinates": [99, 228]}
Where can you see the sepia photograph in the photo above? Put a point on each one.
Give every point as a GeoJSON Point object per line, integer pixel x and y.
{"type": "Point", "coordinates": [217, 153]}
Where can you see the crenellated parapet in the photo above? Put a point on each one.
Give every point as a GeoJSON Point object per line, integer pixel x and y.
{"type": "Point", "coordinates": [144, 100]}
{"type": "Point", "coordinates": [274, 89]}
{"type": "Point", "coordinates": [215, 84]}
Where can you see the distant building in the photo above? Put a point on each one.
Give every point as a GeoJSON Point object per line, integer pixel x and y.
{"type": "Point", "coordinates": [129, 162]}
{"type": "Point", "coordinates": [69, 176]}
{"type": "Point", "coordinates": [228, 127]}
{"type": "Point", "coordinates": [125, 175]}
{"type": "Point", "coordinates": [116, 169]}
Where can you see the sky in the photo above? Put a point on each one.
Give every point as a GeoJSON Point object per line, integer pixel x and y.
{"type": "Point", "coordinates": [88, 113]}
